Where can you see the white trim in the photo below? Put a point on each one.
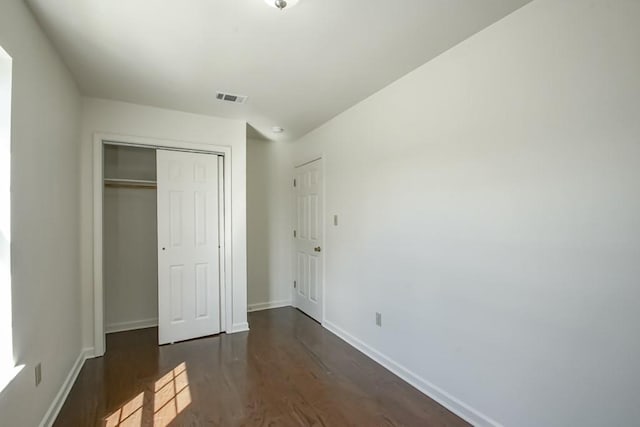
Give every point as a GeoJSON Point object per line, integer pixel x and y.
{"type": "Point", "coordinates": [131, 325]}
{"type": "Point", "coordinates": [323, 163]}
{"type": "Point", "coordinates": [99, 339]}
{"type": "Point", "coordinates": [90, 351]}
{"type": "Point", "coordinates": [226, 285]}
{"type": "Point", "coordinates": [259, 306]}
{"type": "Point", "coordinates": [56, 405]}
{"type": "Point", "coordinates": [453, 404]}
{"type": "Point", "coordinates": [239, 327]}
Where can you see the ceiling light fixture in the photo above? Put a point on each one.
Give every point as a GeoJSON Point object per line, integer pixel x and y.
{"type": "Point", "coordinates": [277, 129]}
{"type": "Point", "coordinates": [281, 4]}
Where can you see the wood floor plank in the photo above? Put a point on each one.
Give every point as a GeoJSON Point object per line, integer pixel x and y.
{"type": "Point", "coordinates": [287, 371]}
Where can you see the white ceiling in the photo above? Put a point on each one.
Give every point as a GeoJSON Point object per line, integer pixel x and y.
{"type": "Point", "coordinates": [299, 67]}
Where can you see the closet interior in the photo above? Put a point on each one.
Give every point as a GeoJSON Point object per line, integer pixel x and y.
{"type": "Point", "coordinates": [130, 238]}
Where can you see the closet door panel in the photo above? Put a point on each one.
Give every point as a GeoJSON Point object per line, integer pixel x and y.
{"type": "Point", "coordinates": [188, 253]}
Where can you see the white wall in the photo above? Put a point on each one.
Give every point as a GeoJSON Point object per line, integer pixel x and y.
{"type": "Point", "coordinates": [269, 213]}
{"type": "Point", "coordinates": [44, 211]}
{"type": "Point", "coordinates": [103, 116]}
{"type": "Point", "coordinates": [489, 209]}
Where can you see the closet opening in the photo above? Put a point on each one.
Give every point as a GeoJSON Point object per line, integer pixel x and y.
{"type": "Point", "coordinates": [130, 238]}
{"type": "Point", "coordinates": [161, 239]}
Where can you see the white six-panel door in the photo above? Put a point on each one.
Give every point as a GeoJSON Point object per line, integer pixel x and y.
{"type": "Point", "coordinates": [188, 240]}
{"type": "Point", "coordinates": [308, 259]}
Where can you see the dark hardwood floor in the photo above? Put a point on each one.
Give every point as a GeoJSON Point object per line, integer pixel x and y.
{"type": "Point", "coordinates": [287, 371]}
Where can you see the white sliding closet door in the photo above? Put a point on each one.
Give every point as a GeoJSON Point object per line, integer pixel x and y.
{"type": "Point", "coordinates": [188, 240]}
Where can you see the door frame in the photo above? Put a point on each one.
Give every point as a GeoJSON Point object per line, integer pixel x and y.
{"type": "Point", "coordinates": [226, 279]}
{"type": "Point", "coordinates": [302, 162]}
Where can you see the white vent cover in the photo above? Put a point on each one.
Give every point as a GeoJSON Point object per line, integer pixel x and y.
{"type": "Point", "coordinates": [229, 97]}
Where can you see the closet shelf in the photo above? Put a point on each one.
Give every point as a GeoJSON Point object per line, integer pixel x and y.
{"type": "Point", "coordinates": [129, 183]}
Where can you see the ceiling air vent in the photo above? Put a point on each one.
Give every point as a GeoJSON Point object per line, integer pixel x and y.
{"type": "Point", "coordinates": [228, 97]}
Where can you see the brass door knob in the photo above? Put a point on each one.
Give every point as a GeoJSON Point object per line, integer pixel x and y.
{"type": "Point", "coordinates": [317, 249]}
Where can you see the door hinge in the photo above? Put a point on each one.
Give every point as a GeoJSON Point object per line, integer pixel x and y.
{"type": "Point", "coordinates": [295, 234]}
{"type": "Point", "coordinates": [294, 182]}
{"type": "Point", "coordinates": [295, 284]}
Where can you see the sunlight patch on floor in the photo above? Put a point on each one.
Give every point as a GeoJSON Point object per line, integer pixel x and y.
{"type": "Point", "coordinates": [129, 415]}
{"type": "Point", "coordinates": [170, 396]}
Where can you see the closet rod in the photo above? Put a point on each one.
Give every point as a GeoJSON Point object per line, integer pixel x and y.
{"type": "Point", "coordinates": [120, 185]}
{"type": "Point", "coordinates": [129, 183]}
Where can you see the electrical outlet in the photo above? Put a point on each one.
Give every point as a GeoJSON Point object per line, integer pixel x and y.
{"type": "Point", "coordinates": [38, 372]}
{"type": "Point", "coordinates": [379, 319]}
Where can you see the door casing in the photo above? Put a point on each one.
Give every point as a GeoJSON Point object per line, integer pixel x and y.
{"type": "Point", "coordinates": [226, 279]}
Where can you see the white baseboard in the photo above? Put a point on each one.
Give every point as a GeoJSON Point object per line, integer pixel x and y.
{"type": "Point", "coordinates": [267, 305]}
{"type": "Point", "coordinates": [91, 352]}
{"type": "Point", "coordinates": [130, 326]}
{"type": "Point", "coordinates": [453, 404]}
{"type": "Point", "coordinates": [56, 405]}
{"type": "Point", "coordinates": [239, 327]}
